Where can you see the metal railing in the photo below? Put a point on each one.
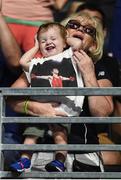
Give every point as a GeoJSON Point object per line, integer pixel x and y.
{"type": "Point", "coordinates": [83, 147]}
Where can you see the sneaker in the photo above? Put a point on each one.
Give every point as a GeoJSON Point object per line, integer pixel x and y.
{"type": "Point", "coordinates": [21, 165]}
{"type": "Point", "coordinates": [55, 166]}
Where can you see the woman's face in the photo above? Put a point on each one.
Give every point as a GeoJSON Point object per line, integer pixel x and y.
{"type": "Point", "coordinates": [81, 29]}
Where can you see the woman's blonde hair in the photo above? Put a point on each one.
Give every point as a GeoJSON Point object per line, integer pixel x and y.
{"type": "Point", "coordinates": [97, 52]}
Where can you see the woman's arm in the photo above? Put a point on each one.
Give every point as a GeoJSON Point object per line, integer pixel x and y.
{"type": "Point", "coordinates": [98, 105]}
{"type": "Point", "coordinates": [34, 108]}
{"type": "Point", "coordinates": [27, 57]}
{"type": "Point", "coordinates": [101, 105]}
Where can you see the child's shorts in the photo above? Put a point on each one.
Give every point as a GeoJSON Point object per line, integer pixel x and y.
{"type": "Point", "coordinates": [37, 130]}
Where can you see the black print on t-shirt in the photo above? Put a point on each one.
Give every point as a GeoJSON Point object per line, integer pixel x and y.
{"type": "Point", "coordinates": [54, 74]}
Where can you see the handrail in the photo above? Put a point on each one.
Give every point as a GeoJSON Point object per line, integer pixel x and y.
{"type": "Point", "coordinates": [69, 147]}
{"type": "Point", "coordinates": [66, 91]}
{"type": "Point", "coordinates": [62, 120]}
{"type": "Point", "coordinates": [4, 92]}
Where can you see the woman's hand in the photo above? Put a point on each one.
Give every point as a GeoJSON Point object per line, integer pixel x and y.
{"type": "Point", "coordinates": [84, 62]}
{"type": "Point", "coordinates": [86, 67]}
{"type": "Point", "coordinates": [75, 43]}
{"type": "Point", "coordinates": [44, 109]}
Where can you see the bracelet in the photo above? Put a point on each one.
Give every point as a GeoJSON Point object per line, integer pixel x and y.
{"type": "Point", "coordinates": [25, 107]}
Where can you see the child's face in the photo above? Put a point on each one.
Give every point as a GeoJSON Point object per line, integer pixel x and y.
{"type": "Point", "coordinates": [51, 42]}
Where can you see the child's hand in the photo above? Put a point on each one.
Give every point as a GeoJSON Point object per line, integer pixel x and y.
{"type": "Point", "coordinates": [75, 43]}
{"type": "Point", "coordinates": [36, 44]}
{"type": "Point", "coordinates": [72, 78]}
{"type": "Point", "coordinates": [33, 76]}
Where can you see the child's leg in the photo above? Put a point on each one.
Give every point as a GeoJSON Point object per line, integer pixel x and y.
{"type": "Point", "coordinates": [32, 134]}
{"type": "Point", "coordinates": [60, 137]}
{"type": "Point", "coordinates": [29, 140]}
{"type": "Point", "coordinates": [24, 162]}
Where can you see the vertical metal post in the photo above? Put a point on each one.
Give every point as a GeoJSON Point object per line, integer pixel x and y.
{"type": "Point", "coordinates": [1, 131]}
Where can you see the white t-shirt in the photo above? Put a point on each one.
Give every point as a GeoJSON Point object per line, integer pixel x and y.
{"type": "Point", "coordinates": [40, 76]}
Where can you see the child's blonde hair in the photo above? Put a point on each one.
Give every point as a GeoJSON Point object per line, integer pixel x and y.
{"type": "Point", "coordinates": [45, 27]}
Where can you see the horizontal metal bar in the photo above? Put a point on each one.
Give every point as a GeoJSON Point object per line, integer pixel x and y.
{"type": "Point", "coordinates": [61, 120]}
{"type": "Point", "coordinates": [69, 147]}
{"type": "Point", "coordinates": [65, 175]}
{"type": "Point", "coordinates": [61, 91]}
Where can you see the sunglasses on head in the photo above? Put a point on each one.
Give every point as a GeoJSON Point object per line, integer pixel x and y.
{"type": "Point", "coordinates": [88, 29]}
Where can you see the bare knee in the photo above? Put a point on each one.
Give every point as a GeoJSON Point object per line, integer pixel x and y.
{"type": "Point", "coordinates": [111, 157]}
{"type": "Point", "coordinates": [60, 138]}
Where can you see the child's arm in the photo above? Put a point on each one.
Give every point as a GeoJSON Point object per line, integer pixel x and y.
{"type": "Point", "coordinates": [27, 57]}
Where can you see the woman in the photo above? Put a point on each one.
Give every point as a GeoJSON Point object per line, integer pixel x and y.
{"type": "Point", "coordinates": [87, 30]}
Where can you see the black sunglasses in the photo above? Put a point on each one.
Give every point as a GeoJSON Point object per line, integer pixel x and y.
{"type": "Point", "coordinates": [74, 24]}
